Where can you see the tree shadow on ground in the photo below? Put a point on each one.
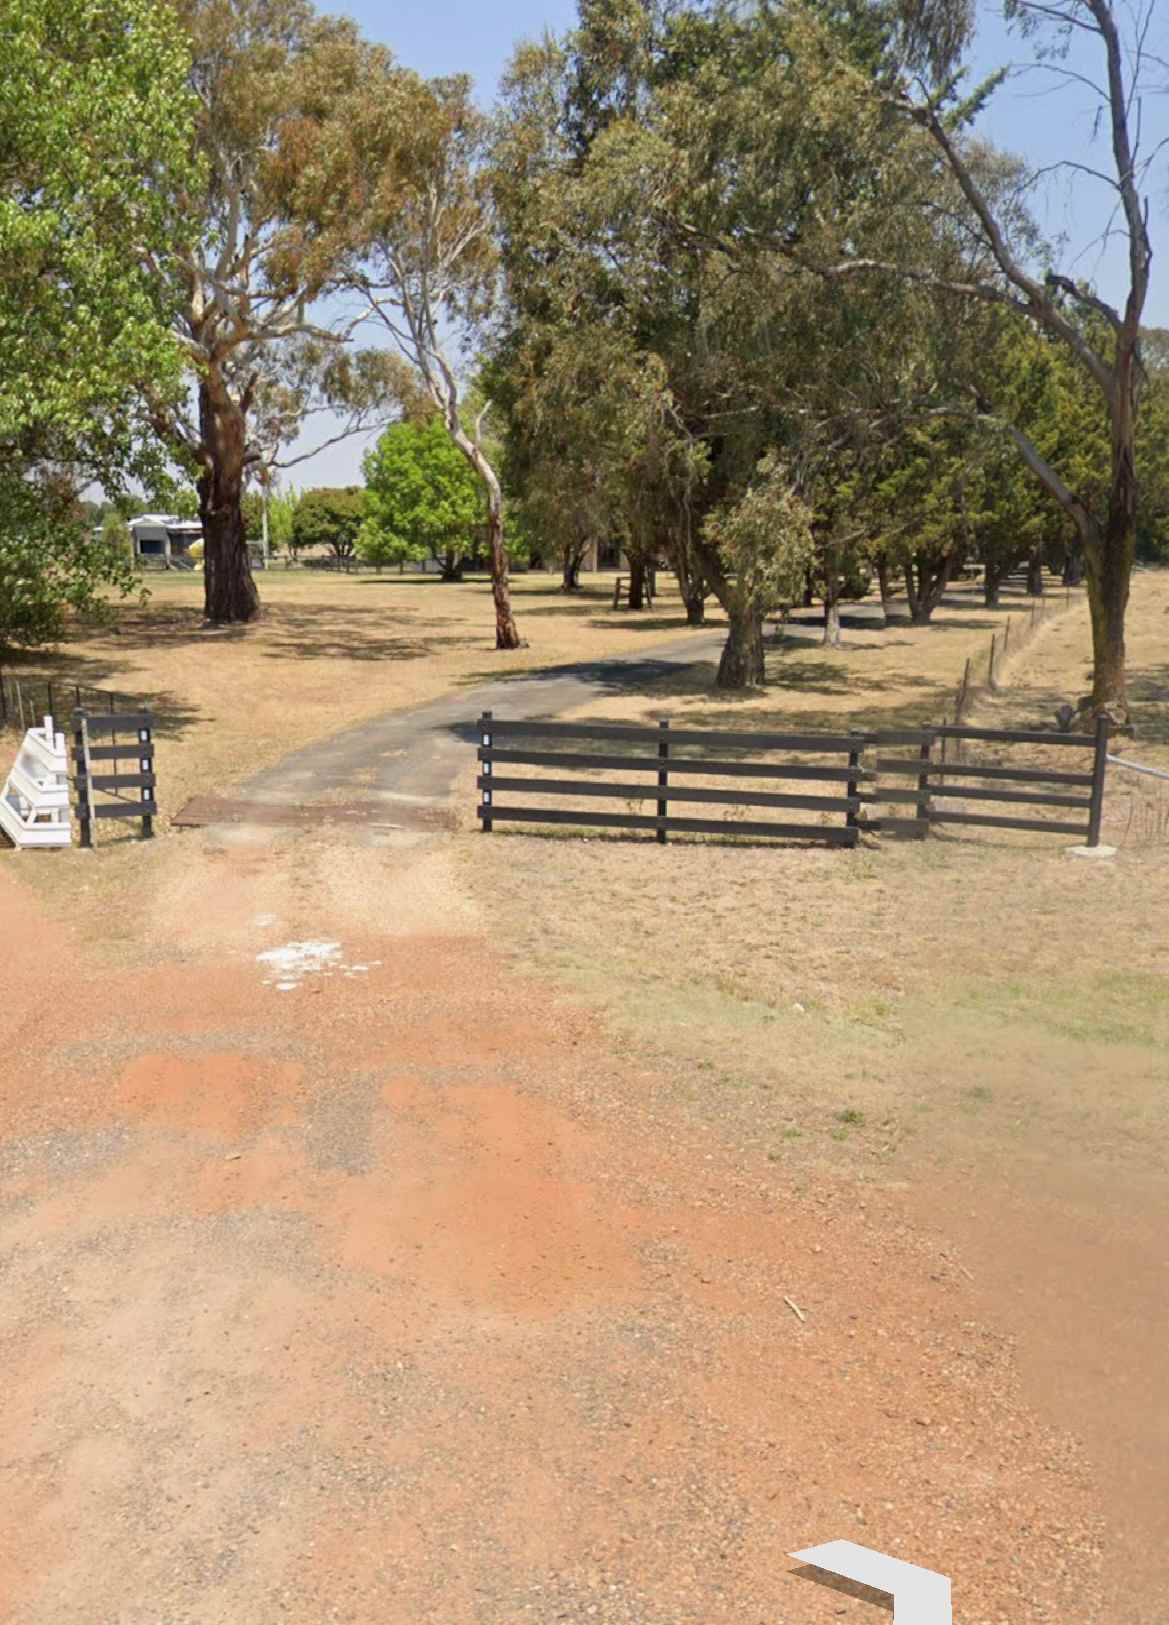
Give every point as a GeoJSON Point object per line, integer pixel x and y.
{"type": "Point", "coordinates": [637, 620]}
{"type": "Point", "coordinates": [57, 680]}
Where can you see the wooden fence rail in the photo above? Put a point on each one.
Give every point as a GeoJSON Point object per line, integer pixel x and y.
{"type": "Point", "coordinates": [137, 750]}
{"type": "Point", "coordinates": [940, 781]}
{"type": "Point", "coordinates": [664, 767]}
{"type": "Point", "coordinates": [858, 786]}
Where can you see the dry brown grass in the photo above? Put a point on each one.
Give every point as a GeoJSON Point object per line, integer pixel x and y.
{"type": "Point", "coordinates": [901, 676]}
{"type": "Point", "coordinates": [329, 652]}
{"type": "Point", "coordinates": [840, 1003]}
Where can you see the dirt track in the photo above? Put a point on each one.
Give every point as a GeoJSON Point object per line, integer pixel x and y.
{"type": "Point", "coordinates": [391, 1296]}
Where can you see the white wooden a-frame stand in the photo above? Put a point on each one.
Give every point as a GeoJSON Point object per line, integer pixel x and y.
{"type": "Point", "coordinates": [34, 805]}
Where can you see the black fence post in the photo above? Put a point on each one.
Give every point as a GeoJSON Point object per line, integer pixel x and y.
{"type": "Point", "coordinates": [852, 816]}
{"type": "Point", "coordinates": [1099, 769]}
{"type": "Point", "coordinates": [82, 778]}
{"type": "Point", "coordinates": [663, 775]}
{"type": "Point", "coordinates": [485, 803]}
{"type": "Point", "coordinates": [923, 785]}
{"type": "Point", "coordinates": [146, 768]}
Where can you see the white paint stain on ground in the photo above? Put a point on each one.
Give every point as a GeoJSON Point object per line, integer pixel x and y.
{"type": "Point", "coordinates": [287, 967]}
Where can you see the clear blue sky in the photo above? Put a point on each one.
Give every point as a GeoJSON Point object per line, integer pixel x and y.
{"type": "Point", "coordinates": [1033, 116]}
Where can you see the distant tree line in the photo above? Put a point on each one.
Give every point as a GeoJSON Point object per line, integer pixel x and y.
{"type": "Point", "coordinates": [738, 288]}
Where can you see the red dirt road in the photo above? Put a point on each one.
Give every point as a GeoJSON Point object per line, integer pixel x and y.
{"type": "Point", "coordinates": [391, 1297]}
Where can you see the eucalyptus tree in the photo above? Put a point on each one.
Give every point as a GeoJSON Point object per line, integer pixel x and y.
{"type": "Point", "coordinates": [422, 261]}
{"type": "Point", "coordinates": [879, 236]}
{"type": "Point", "coordinates": [1064, 306]}
{"type": "Point", "coordinates": [600, 133]}
{"type": "Point", "coordinates": [269, 212]}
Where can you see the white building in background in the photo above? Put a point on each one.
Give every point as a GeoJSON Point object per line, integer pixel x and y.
{"type": "Point", "coordinates": [164, 541]}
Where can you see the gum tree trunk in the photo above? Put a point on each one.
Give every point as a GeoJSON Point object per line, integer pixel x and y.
{"type": "Point", "coordinates": [831, 639]}
{"type": "Point", "coordinates": [741, 665]}
{"type": "Point", "coordinates": [450, 566]}
{"type": "Point", "coordinates": [506, 634]}
{"type": "Point", "coordinates": [1035, 575]}
{"type": "Point", "coordinates": [229, 592]}
{"type": "Point", "coordinates": [1108, 561]}
{"type": "Point", "coordinates": [691, 585]}
{"type": "Point", "coordinates": [994, 573]}
{"type": "Point", "coordinates": [637, 575]}
{"type": "Point", "coordinates": [885, 583]}
{"type": "Point", "coordinates": [927, 580]}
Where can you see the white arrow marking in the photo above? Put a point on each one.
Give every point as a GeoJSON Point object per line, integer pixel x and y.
{"type": "Point", "coordinates": [920, 1597]}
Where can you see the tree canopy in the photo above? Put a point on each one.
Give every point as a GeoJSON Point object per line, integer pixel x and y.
{"type": "Point", "coordinates": [423, 499]}
{"type": "Point", "coordinates": [329, 516]}
{"type": "Point", "coordinates": [96, 126]}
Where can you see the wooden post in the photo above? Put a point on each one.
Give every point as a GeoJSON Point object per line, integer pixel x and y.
{"type": "Point", "coordinates": [20, 704]}
{"type": "Point", "coordinates": [852, 816]}
{"type": "Point", "coordinates": [83, 777]}
{"type": "Point", "coordinates": [617, 593]}
{"type": "Point", "coordinates": [1099, 768]}
{"type": "Point", "coordinates": [146, 793]}
{"type": "Point", "coordinates": [990, 668]}
{"type": "Point", "coordinates": [3, 698]}
{"type": "Point", "coordinates": [923, 785]}
{"type": "Point", "coordinates": [663, 775]}
{"type": "Point", "coordinates": [485, 741]}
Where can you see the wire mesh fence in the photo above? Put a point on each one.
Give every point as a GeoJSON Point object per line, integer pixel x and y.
{"type": "Point", "coordinates": [26, 700]}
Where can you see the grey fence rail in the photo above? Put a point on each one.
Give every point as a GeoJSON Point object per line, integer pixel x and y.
{"type": "Point", "coordinates": [125, 764]}
{"type": "Point", "coordinates": [669, 763]}
{"type": "Point", "coordinates": [1011, 786]}
{"type": "Point", "coordinates": [860, 780]}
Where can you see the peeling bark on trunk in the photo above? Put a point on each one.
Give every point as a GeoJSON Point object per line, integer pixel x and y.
{"type": "Point", "coordinates": [506, 634]}
{"type": "Point", "coordinates": [229, 592]}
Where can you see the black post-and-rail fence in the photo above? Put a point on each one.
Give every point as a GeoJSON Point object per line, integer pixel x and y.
{"type": "Point", "coordinates": [854, 778]}
{"type": "Point", "coordinates": [124, 765]}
